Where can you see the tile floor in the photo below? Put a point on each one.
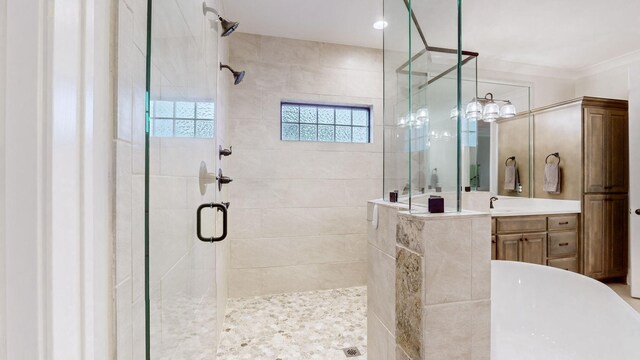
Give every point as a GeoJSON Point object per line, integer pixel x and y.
{"type": "Point", "coordinates": [309, 325]}
{"type": "Point", "coordinates": [624, 292]}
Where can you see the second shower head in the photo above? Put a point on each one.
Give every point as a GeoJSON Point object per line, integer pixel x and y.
{"type": "Point", "coordinates": [237, 75]}
{"type": "Point", "coordinates": [228, 27]}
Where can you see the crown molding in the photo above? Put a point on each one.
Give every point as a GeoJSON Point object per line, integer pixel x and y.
{"type": "Point", "coordinates": [610, 64]}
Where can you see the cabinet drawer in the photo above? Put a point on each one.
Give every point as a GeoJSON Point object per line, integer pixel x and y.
{"type": "Point", "coordinates": [562, 243]}
{"type": "Point", "coordinates": [521, 224]}
{"type": "Point", "coordinates": [570, 264]}
{"type": "Point", "coordinates": [563, 222]}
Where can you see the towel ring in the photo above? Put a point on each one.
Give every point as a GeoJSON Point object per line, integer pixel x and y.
{"type": "Point", "coordinates": [546, 160]}
{"type": "Point", "coordinates": [510, 158]}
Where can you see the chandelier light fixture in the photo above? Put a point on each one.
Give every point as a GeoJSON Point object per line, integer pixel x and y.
{"type": "Point", "coordinates": [416, 120]}
{"type": "Point", "coordinates": [489, 109]}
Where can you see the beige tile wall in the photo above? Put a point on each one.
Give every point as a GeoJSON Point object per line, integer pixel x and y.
{"type": "Point", "coordinates": [298, 210]}
{"type": "Point", "coordinates": [129, 69]}
{"type": "Point", "coordinates": [185, 274]}
{"type": "Point", "coordinates": [381, 281]}
{"type": "Point", "coordinates": [454, 277]}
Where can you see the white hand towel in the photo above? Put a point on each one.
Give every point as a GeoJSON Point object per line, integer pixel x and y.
{"type": "Point", "coordinates": [511, 177]}
{"type": "Point", "coordinates": [552, 178]}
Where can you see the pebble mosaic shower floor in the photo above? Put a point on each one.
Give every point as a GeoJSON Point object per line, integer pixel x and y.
{"type": "Point", "coordinates": [298, 326]}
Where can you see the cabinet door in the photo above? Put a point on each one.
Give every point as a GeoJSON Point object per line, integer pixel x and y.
{"type": "Point", "coordinates": [494, 247]}
{"type": "Point", "coordinates": [508, 247]}
{"type": "Point", "coordinates": [534, 248]}
{"type": "Point", "coordinates": [594, 236]}
{"type": "Point", "coordinates": [595, 156]}
{"type": "Point", "coordinates": [617, 151]}
{"type": "Point", "coordinates": [617, 235]}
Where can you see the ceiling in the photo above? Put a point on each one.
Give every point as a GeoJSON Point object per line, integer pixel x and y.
{"type": "Point", "coordinates": [567, 35]}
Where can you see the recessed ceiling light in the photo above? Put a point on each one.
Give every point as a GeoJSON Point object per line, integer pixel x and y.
{"type": "Point", "coordinates": [379, 25]}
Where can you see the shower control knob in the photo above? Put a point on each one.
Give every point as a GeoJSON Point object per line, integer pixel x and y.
{"type": "Point", "coordinates": [224, 152]}
{"type": "Point", "coordinates": [222, 179]}
{"type": "Point", "coordinates": [637, 211]}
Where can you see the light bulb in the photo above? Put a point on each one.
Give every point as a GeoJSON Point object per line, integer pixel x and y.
{"type": "Point", "coordinates": [508, 110]}
{"type": "Point", "coordinates": [379, 25]}
{"type": "Point", "coordinates": [491, 111]}
{"type": "Point", "coordinates": [474, 110]}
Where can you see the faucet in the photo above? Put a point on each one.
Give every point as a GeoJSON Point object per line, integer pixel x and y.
{"type": "Point", "coordinates": [491, 200]}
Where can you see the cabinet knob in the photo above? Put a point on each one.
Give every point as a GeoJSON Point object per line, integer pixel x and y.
{"type": "Point", "coordinates": [637, 211]}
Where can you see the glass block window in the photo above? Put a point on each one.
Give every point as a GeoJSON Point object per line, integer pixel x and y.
{"type": "Point", "coordinates": [189, 119]}
{"type": "Point", "coordinates": [325, 123]}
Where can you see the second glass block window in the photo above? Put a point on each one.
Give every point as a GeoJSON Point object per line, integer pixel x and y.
{"type": "Point", "coordinates": [325, 123]}
{"type": "Point", "coordinates": [182, 119]}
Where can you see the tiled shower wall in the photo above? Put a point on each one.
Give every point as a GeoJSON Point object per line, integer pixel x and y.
{"type": "Point", "coordinates": [130, 69]}
{"type": "Point", "coordinates": [298, 209]}
{"type": "Point", "coordinates": [129, 144]}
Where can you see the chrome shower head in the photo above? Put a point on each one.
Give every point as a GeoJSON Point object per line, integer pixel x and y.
{"type": "Point", "coordinates": [228, 27]}
{"type": "Point", "coordinates": [237, 75]}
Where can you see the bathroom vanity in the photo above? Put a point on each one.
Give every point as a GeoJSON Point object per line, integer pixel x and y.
{"type": "Point", "coordinates": [538, 239]}
{"type": "Point", "coordinates": [589, 138]}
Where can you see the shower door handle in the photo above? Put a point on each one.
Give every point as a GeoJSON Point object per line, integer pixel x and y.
{"type": "Point", "coordinates": [218, 207]}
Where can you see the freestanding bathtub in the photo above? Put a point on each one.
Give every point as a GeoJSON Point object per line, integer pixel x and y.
{"type": "Point", "coordinates": [543, 313]}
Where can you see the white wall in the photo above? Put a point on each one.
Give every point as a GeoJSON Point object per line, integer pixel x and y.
{"type": "Point", "coordinates": [56, 259]}
{"type": "Point", "coordinates": [634, 171]}
{"type": "Point", "coordinates": [24, 225]}
{"type": "Point", "coordinates": [612, 83]}
{"type": "Point", "coordinates": [297, 220]}
{"type": "Point", "coordinates": [545, 89]}
{"type": "Point", "coordinates": [3, 19]}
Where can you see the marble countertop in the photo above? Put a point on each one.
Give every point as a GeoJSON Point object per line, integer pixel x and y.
{"type": "Point", "coordinates": [514, 206]}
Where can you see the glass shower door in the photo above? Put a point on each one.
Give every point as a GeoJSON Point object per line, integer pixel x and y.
{"type": "Point", "coordinates": [181, 167]}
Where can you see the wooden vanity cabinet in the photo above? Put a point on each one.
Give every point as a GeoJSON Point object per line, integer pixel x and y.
{"type": "Point", "coordinates": [606, 154]}
{"type": "Point", "coordinates": [605, 247]}
{"type": "Point", "coordinates": [563, 242]}
{"type": "Point", "coordinates": [522, 238]}
{"type": "Point", "coordinates": [529, 247]}
{"type": "Point", "coordinates": [605, 208]}
{"type": "Point", "coordinates": [545, 240]}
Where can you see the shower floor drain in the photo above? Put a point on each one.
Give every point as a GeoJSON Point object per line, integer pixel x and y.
{"type": "Point", "coordinates": [351, 352]}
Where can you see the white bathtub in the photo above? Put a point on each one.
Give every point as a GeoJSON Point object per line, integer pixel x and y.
{"type": "Point", "coordinates": [543, 313]}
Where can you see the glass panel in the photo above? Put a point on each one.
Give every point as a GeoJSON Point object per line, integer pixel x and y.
{"type": "Point", "coordinates": [290, 113]}
{"type": "Point", "coordinates": [343, 116]}
{"type": "Point", "coordinates": [185, 110]}
{"type": "Point", "coordinates": [308, 132]}
{"type": "Point", "coordinates": [326, 133]}
{"type": "Point", "coordinates": [343, 133]}
{"type": "Point", "coordinates": [308, 114]}
{"type": "Point", "coordinates": [204, 129]}
{"type": "Point", "coordinates": [360, 135]}
{"type": "Point", "coordinates": [290, 132]}
{"type": "Point", "coordinates": [163, 127]}
{"type": "Point", "coordinates": [180, 277]}
{"type": "Point", "coordinates": [185, 128]}
{"type": "Point", "coordinates": [163, 109]}
{"type": "Point", "coordinates": [360, 117]}
{"type": "Point", "coordinates": [204, 110]}
{"type": "Point", "coordinates": [422, 142]}
{"type": "Point", "coordinates": [326, 115]}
